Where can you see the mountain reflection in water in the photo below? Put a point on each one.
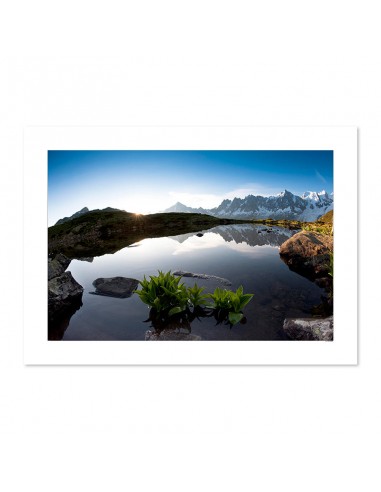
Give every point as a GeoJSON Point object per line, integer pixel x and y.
{"type": "Point", "coordinates": [250, 234]}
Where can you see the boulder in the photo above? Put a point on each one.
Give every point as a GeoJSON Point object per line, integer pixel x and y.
{"type": "Point", "coordinates": [308, 253]}
{"type": "Point", "coordinates": [63, 291]}
{"type": "Point", "coordinates": [170, 335]}
{"type": "Point", "coordinates": [309, 328]}
{"type": "Point", "coordinates": [57, 265]}
{"type": "Point", "coordinates": [120, 287]}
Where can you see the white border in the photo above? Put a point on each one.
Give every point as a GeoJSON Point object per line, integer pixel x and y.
{"type": "Point", "coordinates": [38, 140]}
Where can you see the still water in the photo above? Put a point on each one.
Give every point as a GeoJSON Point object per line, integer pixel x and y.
{"type": "Point", "coordinates": [245, 254]}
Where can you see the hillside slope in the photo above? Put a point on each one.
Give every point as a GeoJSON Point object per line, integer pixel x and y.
{"type": "Point", "coordinates": [103, 231]}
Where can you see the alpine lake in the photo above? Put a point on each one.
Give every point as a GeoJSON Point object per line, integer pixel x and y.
{"type": "Point", "coordinates": [244, 254]}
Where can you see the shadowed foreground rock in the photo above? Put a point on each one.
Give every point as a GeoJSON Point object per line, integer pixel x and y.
{"type": "Point", "coordinates": [64, 292]}
{"type": "Point", "coordinates": [170, 335]}
{"type": "Point", "coordinates": [120, 287]}
{"type": "Point", "coordinates": [309, 328]}
{"type": "Point", "coordinates": [57, 265]}
{"type": "Point", "coordinates": [308, 253]}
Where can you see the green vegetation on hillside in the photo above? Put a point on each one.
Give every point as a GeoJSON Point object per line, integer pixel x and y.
{"type": "Point", "coordinates": [328, 217]}
{"type": "Point", "coordinates": [324, 225]}
{"type": "Point", "coordinates": [288, 224]}
{"type": "Point", "coordinates": [103, 231]}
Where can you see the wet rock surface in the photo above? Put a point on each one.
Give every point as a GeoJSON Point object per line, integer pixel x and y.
{"type": "Point", "coordinates": [120, 287]}
{"type": "Point", "coordinates": [309, 328]}
{"type": "Point", "coordinates": [308, 253]}
{"type": "Point", "coordinates": [57, 265]}
{"type": "Point", "coordinates": [64, 296]}
{"type": "Point", "coordinates": [181, 273]}
{"type": "Point", "coordinates": [170, 334]}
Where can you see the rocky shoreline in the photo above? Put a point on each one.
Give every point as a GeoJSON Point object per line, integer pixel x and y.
{"type": "Point", "coordinates": [64, 296]}
{"type": "Point", "coordinates": [309, 328]}
{"type": "Point", "coordinates": [309, 254]}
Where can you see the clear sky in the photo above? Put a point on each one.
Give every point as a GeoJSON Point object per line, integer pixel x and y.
{"type": "Point", "coordinates": [151, 181]}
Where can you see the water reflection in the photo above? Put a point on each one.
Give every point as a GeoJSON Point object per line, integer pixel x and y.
{"type": "Point", "coordinates": [252, 235]}
{"type": "Point", "coordinates": [59, 322]}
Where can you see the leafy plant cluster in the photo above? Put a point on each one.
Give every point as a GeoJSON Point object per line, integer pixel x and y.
{"type": "Point", "coordinates": [168, 296]}
{"type": "Point", "coordinates": [232, 302]}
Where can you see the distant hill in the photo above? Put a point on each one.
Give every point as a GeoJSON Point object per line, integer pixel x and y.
{"type": "Point", "coordinates": [327, 218]}
{"type": "Point", "coordinates": [83, 211]}
{"type": "Point", "coordinates": [106, 231]}
{"type": "Point", "coordinates": [308, 207]}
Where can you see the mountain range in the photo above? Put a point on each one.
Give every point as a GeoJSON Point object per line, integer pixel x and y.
{"type": "Point", "coordinates": [307, 207]}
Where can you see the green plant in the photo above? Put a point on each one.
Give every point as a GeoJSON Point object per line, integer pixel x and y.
{"type": "Point", "coordinates": [221, 298]}
{"type": "Point", "coordinates": [233, 302]}
{"type": "Point", "coordinates": [196, 296]}
{"type": "Point", "coordinates": [164, 293]}
{"type": "Point", "coordinates": [167, 296]}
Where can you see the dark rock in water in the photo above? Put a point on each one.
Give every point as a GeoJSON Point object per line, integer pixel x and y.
{"type": "Point", "coordinates": [199, 234]}
{"type": "Point", "coordinates": [170, 335]}
{"type": "Point", "coordinates": [325, 283]}
{"type": "Point", "coordinates": [309, 328]}
{"type": "Point", "coordinates": [64, 296]}
{"type": "Point", "coordinates": [89, 259]}
{"type": "Point", "coordinates": [181, 273]}
{"type": "Point", "coordinates": [57, 265]}
{"type": "Point", "coordinates": [308, 253]}
{"type": "Point", "coordinates": [63, 291]}
{"type": "Point", "coordinates": [120, 287]}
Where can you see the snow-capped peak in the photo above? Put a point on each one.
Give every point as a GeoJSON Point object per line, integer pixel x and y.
{"type": "Point", "coordinates": [312, 195]}
{"type": "Point", "coordinates": [283, 193]}
{"type": "Point", "coordinates": [323, 193]}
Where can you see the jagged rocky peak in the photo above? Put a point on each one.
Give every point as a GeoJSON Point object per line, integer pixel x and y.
{"type": "Point", "coordinates": [179, 207]}
{"type": "Point", "coordinates": [83, 211]}
{"type": "Point", "coordinates": [284, 193]}
{"type": "Point", "coordinates": [226, 201]}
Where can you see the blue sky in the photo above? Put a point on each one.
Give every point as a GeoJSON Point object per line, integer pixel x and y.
{"type": "Point", "coordinates": [150, 181]}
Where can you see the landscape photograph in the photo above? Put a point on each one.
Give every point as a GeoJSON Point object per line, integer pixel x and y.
{"type": "Point", "coordinates": [190, 245]}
